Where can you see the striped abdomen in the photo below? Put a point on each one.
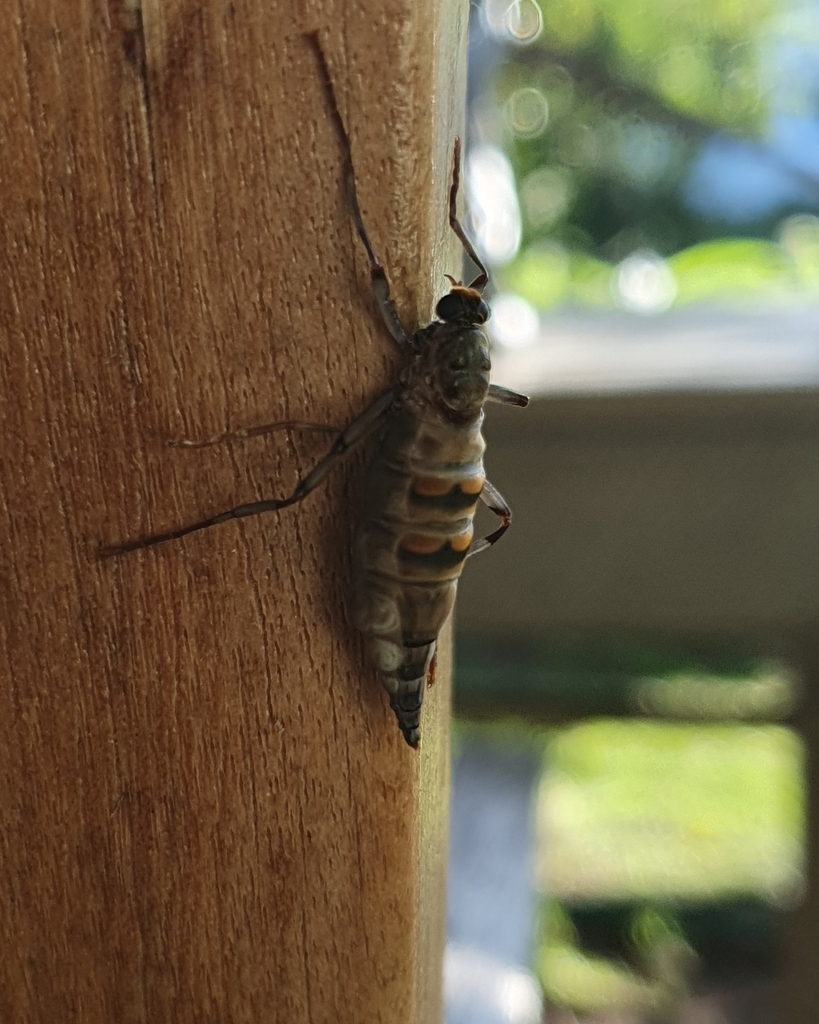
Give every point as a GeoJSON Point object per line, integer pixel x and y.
{"type": "Point", "coordinates": [411, 543]}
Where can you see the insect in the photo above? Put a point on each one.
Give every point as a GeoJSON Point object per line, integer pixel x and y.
{"type": "Point", "coordinates": [427, 476]}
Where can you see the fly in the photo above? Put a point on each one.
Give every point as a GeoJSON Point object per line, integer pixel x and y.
{"type": "Point", "coordinates": [427, 476]}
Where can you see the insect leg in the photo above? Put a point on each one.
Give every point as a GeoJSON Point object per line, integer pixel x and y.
{"type": "Point", "coordinates": [380, 284]}
{"type": "Point", "coordinates": [433, 664]}
{"type": "Point", "coordinates": [480, 281]}
{"type": "Point", "coordinates": [246, 432]}
{"type": "Point", "coordinates": [360, 428]}
{"type": "Point", "coordinates": [506, 396]}
{"type": "Point", "coordinates": [495, 502]}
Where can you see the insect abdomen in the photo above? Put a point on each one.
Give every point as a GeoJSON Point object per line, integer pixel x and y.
{"type": "Point", "coordinates": [411, 544]}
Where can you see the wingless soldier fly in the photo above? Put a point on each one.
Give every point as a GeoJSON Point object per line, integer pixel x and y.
{"type": "Point", "coordinates": [426, 478]}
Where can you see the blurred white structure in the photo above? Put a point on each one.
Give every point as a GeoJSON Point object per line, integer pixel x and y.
{"type": "Point", "coordinates": [493, 204]}
{"type": "Point", "coordinates": [492, 902]}
{"type": "Point", "coordinates": [693, 348]}
{"type": "Point", "coordinates": [480, 989]}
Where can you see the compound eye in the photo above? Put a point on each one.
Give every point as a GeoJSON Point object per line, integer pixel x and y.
{"type": "Point", "coordinates": [482, 313]}
{"type": "Point", "coordinates": [450, 307]}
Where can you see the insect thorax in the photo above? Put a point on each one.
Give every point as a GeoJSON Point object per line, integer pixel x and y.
{"type": "Point", "coordinates": [452, 368]}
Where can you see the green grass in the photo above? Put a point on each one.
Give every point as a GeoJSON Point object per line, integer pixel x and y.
{"type": "Point", "coordinates": [654, 815]}
{"type": "Point", "coordinates": [663, 811]}
{"type": "Point", "coordinates": [662, 814]}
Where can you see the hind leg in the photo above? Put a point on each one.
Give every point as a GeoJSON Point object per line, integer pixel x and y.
{"type": "Point", "coordinates": [246, 432]}
{"type": "Point", "coordinates": [361, 427]}
{"type": "Point", "coordinates": [495, 502]}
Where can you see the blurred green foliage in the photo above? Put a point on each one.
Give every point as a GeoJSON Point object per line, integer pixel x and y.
{"type": "Point", "coordinates": [560, 678]}
{"type": "Point", "coordinates": [698, 58]}
{"type": "Point", "coordinates": [734, 265]}
{"type": "Point", "coordinates": [602, 115]}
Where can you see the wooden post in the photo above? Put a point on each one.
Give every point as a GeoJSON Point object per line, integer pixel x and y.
{"type": "Point", "coordinates": [207, 812]}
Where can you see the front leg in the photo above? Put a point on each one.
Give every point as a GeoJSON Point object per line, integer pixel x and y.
{"type": "Point", "coordinates": [380, 284]}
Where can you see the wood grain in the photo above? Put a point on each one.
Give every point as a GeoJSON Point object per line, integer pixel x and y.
{"type": "Point", "coordinates": [207, 812]}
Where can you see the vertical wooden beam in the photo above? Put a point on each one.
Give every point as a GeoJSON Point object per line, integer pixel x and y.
{"type": "Point", "coordinates": [206, 810]}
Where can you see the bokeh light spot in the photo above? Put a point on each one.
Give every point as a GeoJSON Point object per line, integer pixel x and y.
{"type": "Point", "coordinates": [493, 202]}
{"type": "Point", "coordinates": [517, 20]}
{"type": "Point", "coordinates": [514, 323]}
{"type": "Point", "coordinates": [644, 282]}
{"type": "Point", "coordinates": [546, 195]}
{"type": "Point", "coordinates": [524, 21]}
{"type": "Point", "coordinates": [527, 111]}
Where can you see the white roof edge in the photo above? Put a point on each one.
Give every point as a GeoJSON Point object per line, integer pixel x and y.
{"type": "Point", "coordinates": [696, 348]}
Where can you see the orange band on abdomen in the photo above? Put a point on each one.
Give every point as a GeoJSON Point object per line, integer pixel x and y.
{"type": "Point", "coordinates": [421, 544]}
{"type": "Point", "coordinates": [472, 485]}
{"type": "Point", "coordinates": [432, 486]}
{"type": "Point", "coordinates": [462, 541]}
